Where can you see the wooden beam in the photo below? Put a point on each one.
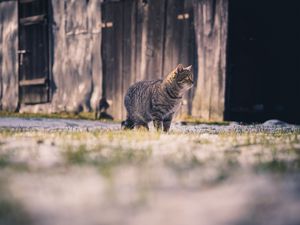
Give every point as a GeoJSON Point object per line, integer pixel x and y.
{"type": "Point", "coordinates": [32, 19]}
{"type": "Point", "coordinates": [38, 81]}
{"type": "Point", "coordinates": [27, 1]}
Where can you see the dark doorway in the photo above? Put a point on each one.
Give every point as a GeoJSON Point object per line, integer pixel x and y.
{"type": "Point", "coordinates": [33, 51]}
{"type": "Point", "coordinates": [263, 61]}
{"type": "Point", "coordinates": [113, 20]}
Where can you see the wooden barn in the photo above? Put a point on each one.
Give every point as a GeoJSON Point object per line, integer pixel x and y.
{"type": "Point", "coordinates": [67, 55]}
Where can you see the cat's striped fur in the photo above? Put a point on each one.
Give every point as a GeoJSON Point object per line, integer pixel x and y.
{"type": "Point", "coordinates": [156, 100]}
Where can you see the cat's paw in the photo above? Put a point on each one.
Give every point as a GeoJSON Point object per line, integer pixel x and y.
{"type": "Point", "coordinates": [127, 125]}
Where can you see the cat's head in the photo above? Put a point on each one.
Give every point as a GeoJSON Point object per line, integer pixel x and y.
{"type": "Point", "coordinates": [183, 76]}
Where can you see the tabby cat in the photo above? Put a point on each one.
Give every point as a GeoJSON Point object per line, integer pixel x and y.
{"type": "Point", "coordinates": [156, 100]}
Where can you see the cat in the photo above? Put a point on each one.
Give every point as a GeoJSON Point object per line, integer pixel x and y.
{"type": "Point", "coordinates": [156, 100]}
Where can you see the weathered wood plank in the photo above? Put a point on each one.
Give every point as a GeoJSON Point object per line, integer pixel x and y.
{"type": "Point", "coordinates": [8, 50]}
{"type": "Point", "coordinates": [1, 53]}
{"type": "Point", "coordinates": [38, 81]}
{"type": "Point", "coordinates": [94, 18]}
{"type": "Point", "coordinates": [153, 39]}
{"type": "Point", "coordinates": [211, 18]}
{"type": "Point", "coordinates": [32, 20]}
{"type": "Point", "coordinates": [26, 1]}
{"type": "Point", "coordinates": [140, 39]}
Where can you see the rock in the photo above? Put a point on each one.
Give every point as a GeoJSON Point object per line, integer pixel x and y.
{"type": "Point", "coordinates": [274, 122]}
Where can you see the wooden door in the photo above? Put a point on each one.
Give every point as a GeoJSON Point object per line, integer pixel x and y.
{"type": "Point", "coordinates": [33, 51]}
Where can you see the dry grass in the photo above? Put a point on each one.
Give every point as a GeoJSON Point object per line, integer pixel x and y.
{"type": "Point", "coordinates": [130, 168]}
{"type": "Point", "coordinates": [62, 115]}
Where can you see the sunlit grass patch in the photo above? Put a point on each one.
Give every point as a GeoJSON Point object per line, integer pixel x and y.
{"type": "Point", "coordinates": [182, 163]}
{"type": "Point", "coordinates": [260, 138]}
{"type": "Point", "coordinates": [76, 156]}
{"type": "Point", "coordinates": [105, 158]}
{"type": "Point", "coordinates": [279, 166]}
{"type": "Point", "coordinates": [181, 152]}
{"type": "Point", "coordinates": [62, 115]}
{"type": "Point", "coordinates": [116, 172]}
{"type": "Point", "coordinates": [5, 132]}
{"type": "Point", "coordinates": [112, 135]}
{"type": "Point", "coordinates": [136, 135]}
{"type": "Point", "coordinates": [6, 162]}
{"type": "Point", "coordinates": [283, 161]}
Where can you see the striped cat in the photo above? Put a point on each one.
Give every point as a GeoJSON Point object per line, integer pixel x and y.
{"type": "Point", "coordinates": [156, 100]}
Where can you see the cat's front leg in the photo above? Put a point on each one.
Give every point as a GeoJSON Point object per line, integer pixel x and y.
{"type": "Point", "coordinates": [167, 123]}
{"type": "Point", "coordinates": [157, 124]}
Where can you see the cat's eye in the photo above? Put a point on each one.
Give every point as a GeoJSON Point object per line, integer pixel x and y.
{"type": "Point", "coordinates": [185, 78]}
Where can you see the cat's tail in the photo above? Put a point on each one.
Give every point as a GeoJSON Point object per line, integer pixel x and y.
{"type": "Point", "coordinates": [127, 124]}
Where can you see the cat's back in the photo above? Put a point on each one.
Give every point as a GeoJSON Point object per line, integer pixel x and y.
{"type": "Point", "coordinates": [138, 99]}
{"type": "Point", "coordinates": [142, 88]}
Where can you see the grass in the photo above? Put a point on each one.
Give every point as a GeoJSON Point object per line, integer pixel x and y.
{"type": "Point", "coordinates": [109, 150]}
{"type": "Point", "coordinates": [278, 166]}
{"type": "Point", "coordinates": [105, 161]}
{"type": "Point", "coordinates": [133, 166]}
{"type": "Point", "coordinates": [184, 163]}
{"type": "Point", "coordinates": [61, 115]}
{"type": "Point", "coordinates": [11, 211]}
{"type": "Point", "coordinates": [6, 162]}
{"type": "Point", "coordinates": [132, 169]}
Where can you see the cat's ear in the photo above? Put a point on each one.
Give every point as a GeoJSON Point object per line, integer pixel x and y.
{"type": "Point", "coordinates": [179, 68]}
{"type": "Point", "coordinates": [189, 68]}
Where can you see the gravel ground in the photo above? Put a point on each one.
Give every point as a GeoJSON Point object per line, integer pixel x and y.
{"type": "Point", "coordinates": [63, 171]}
{"type": "Point", "coordinates": [45, 124]}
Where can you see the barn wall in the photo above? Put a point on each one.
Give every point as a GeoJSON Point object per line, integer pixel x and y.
{"type": "Point", "coordinates": [8, 55]}
{"type": "Point", "coordinates": [146, 42]}
{"type": "Point", "coordinates": [76, 82]}
{"type": "Point", "coordinates": [152, 43]}
{"type": "Point", "coordinates": [211, 19]}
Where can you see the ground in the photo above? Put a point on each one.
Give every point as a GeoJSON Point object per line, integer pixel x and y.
{"type": "Point", "coordinates": [64, 171]}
